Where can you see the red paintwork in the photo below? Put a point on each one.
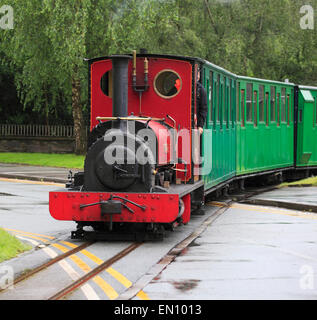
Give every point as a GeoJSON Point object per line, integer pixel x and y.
{"type": "Point", "coordinates": [164, 145]}
{"type": "Point", "coordinates": [152, 105]}
{"type": "Point", "coordinates": [160, 208]}
{"type": "Point", "coordinates": [186, 214]}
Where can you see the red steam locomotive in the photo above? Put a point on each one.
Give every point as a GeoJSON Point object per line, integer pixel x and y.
{"type": "Point", "coordinates": [141, 173]}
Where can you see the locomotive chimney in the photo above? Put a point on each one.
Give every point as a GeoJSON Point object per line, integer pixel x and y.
{"type": "Point", "coordinates": [120, 88]}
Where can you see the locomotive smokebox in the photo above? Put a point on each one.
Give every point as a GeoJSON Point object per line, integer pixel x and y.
{"type": "Point", "coordinates": [120, 88]}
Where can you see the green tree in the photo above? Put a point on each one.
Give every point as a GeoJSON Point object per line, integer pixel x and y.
{"type": "Point", "coordinates": [66, 29]}
{"type": "Point", "coordinates": [46, 49]}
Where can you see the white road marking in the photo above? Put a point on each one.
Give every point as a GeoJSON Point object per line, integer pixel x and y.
{"type": "Point", "coordinates": [88, 291]}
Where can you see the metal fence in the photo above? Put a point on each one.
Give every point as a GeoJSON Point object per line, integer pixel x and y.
{"type": "Point", "coordinates": [36, 130]}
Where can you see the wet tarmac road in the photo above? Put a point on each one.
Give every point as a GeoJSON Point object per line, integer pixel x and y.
{"type": "Point", "coordinates": [249, 252]}
{"type": "Point", "coordinates": [37, 173]}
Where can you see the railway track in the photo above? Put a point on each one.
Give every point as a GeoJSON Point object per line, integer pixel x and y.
{"type": "Point", "coordinates": [94, 272]}
{"type": "Point", "coordinates": [23, 279]}
{"type": "Point", "coordinates": [136, 287]}
{"type": "Point", "coordinates": [43, 266]}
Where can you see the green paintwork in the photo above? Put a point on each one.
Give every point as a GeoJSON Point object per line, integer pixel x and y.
{"type": "Point", "coordinates": [264, 145]}
{"type": "Point", "coordinates": [219, 137]}
{"type": "Point", "coordinates": [307, 127]}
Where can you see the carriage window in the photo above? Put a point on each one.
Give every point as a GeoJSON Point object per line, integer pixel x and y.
{"type": "Point", "coordinates": [249, 101]}
{"type": "Point", "coordinates": [316, 109]}
{"type": "Point", "coordinates": [224, 107]}
{"type": "Point", "coordinates": [211, 115]}
{"type": "Point", "coordinates": [230, 100]}
{"type": "Point", "coordinates": [242, 109]}
{"type": "Point", "coordinates": [106, 83]}
{"type": "Point", "coordinates": [238, 102]}
{"type": "Point", "coordinates": [267, 108]}
{"type": "Point", "coordinates": [278, 108]}
{"type": "Point", "coordinates": [167, 84]}
{"type": "Point", "coordinates": [261, 103]}
{"type": "Point", "coordinates": [219, 97]}
{"type": "Point", "coordinates": [226, 91]}
{"type": "Point", "coordinates": [273, 111]}
{"type": "Point", "coordinates": [283, 105]}
{"type": "Point", "coordinates": [288, 110]}
{"type": "Point", "coordinates": [255, 108]}
{"type": "Point", "coordinates": [292, 106]}
{"type": "Point", "coordinates": [221, 103]}
{"type": "Point", "coordinates": [233, 103]}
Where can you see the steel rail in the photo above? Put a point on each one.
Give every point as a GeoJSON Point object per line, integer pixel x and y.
{"type": "Point", "coordinates": [50, 262]}
{"type": "Point", "coordinates": [79, 282]}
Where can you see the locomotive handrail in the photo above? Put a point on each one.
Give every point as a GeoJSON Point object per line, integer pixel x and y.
{"type": "Point", "coordinates": [131, 118]}
{"type": "Point", "coordinates": [82, 206]}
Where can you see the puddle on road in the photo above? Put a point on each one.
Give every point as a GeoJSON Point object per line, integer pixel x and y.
{"type": "Point", "coordinates": [4, 194]}
{"type": "Point", "coordinates": [186, 284]}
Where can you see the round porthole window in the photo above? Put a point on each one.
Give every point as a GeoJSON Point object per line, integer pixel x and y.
{"type": "Point", "coordinates": [106, 83]}
{"type": "Point", "coordinates": [167, 84]}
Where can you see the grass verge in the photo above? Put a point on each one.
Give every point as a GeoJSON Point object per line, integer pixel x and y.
{"type": "Point", "coordinates": [10, 246]}
{"type": "Point", "coordinates": [44, 159]}
{"type": "Point", "coordinates": [305, 182]}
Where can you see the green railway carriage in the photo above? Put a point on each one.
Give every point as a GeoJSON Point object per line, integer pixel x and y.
{"type": "Point", "coordinates": [219, 137]}
{"type": "Point", "coordinates": [306, 142]}
{"type": "Point", "coordinates": [255, 126]}
{"type": "Point", "coordinates": [265, 126]}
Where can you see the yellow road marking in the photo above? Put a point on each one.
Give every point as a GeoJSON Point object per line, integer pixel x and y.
{"type": "Point", "coordinates": [121, 278]}
{"type": "Point", "coordinates": [109, 291]}
{"type": "Point", "coordinates": [31, 233]}
{"type": "Point", "coordinates": [86, 288]}
{"type": "Point", "coordinates": [217, 204]}
{"type": "Point", "coordinates": [33, 237]}
{"type": "Point", "coordinates": [32, 182]}
{"type": "Point", "coordinates": [114, 273]}
{"type": "Point", "coordinates": [142, 295]}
